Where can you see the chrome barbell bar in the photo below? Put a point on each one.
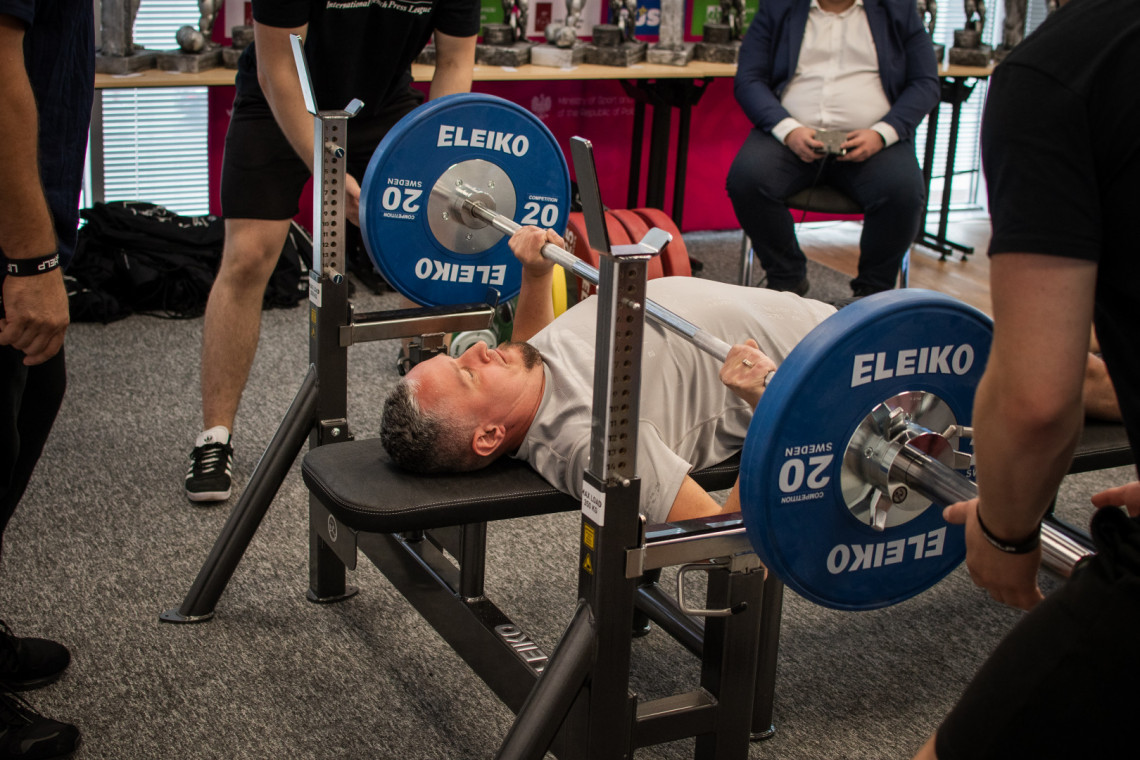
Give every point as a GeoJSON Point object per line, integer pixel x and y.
{"type": "Point", "coordinates": [470, 210]}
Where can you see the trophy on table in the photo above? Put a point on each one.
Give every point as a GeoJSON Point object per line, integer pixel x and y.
{"type": "Point", "coordinates": [196, 49]}
{"type": "Point", "coordinates": [671, 49]}
{"type": "Point", "coordinates": [240, 38]}
{"type": "Point", "coordinates": [118, 54]}
{"type": "Point", "coordinates": [968, 49]}
{"type": "Point", "coordinates": [928, 12]}
{"type": "Point", "coordinates": [506, 44]}
{"type": "Point", "coordinates": [720, 42]}
{"type": "Point", "coordinates": [615, 43]}
{"type": "Point", "coordinates": [562, 48]}
{"type": "Point", "coordinates": [1013, 28]}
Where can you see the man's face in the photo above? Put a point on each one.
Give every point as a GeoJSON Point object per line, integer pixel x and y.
{"type": "Point", "coordinates": [483, 383]}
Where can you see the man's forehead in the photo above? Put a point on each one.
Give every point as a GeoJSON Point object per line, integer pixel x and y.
{"type": "Point", "coordinates": [429, 375]}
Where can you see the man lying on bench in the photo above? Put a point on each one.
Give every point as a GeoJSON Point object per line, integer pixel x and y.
{"type": "Point", "coordinates": [532, 398]}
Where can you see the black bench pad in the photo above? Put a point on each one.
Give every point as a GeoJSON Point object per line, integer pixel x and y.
{"type": "Point", "coordinates": [1103, 445]}
{"type": "Point", "coordinates": [359, 485]}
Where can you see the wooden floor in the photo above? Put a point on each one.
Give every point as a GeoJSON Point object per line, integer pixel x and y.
{"type": "Point", "coordinates": [836, 245]}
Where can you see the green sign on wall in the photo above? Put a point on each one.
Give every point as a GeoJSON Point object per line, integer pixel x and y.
{"type": "Point", "coordinates": [709, 11]}
{"type": "Point", "coordinates": [491, 13]}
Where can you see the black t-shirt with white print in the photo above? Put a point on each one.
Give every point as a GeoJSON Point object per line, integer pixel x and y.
{"type": "Point", "coordinates": [360, 48]}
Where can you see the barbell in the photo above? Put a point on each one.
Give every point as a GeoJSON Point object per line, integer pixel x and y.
{"type": "Point", "coordinates": [863, 429]}
{"type": "Point", "coordinates": [459, 242]}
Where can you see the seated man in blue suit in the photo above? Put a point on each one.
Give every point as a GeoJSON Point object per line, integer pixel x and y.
{"type": "Point", "coordinates": [865, 68]}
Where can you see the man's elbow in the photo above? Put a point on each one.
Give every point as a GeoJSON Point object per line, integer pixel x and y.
{"type": "Point", "coordinates": [924, 91]}
{"type": "Point", "coordinates": [267, 82]}
{"type": "Point", "coordinates": [455, 54]}
{"type": "Point", "coordinates": [932, 92]}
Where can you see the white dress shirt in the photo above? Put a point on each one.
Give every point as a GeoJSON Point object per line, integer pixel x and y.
{"type": "Point", "coordinates": [836, 84]}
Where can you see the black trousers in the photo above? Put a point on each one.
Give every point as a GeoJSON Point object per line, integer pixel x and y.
{"type": "Point", "coordinates": [1062, 683]}
{"type": "Point", "coordinates": [888, 186]}
{"type": "Point", "coordinates": [30, 398]}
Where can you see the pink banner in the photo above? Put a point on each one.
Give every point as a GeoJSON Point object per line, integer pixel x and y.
{"type": "Point", "coordinates": [602, 112]}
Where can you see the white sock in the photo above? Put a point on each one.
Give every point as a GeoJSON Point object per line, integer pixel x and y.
{"type": "Point", "coordinates": [217, 434]}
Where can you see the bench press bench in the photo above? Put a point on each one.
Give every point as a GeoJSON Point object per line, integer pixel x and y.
{"type": "Point", "coordinates": [1103, 445]}
{"type": "Point", "coordinates": [359, 486]}
{"type": "Point", "coordinates": [407, 523]}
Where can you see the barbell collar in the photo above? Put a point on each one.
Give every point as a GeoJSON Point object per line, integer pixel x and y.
{"type": "Point", "coordinates": [931, 478]}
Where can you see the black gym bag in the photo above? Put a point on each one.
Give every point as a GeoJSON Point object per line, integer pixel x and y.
{"type": "Point", "coordinates": [134, 257]}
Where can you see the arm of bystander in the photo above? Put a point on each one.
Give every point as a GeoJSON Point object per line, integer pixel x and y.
{"type": "Point", "coordinates": [35, 306]}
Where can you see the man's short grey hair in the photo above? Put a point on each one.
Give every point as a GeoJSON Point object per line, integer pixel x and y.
{"type": "Point", "coordinates": [421, 441]}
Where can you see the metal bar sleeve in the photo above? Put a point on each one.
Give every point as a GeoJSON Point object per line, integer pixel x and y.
{"type": "Point", "coordinates": [944, 485]}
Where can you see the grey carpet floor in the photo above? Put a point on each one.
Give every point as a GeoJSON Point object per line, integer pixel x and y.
{"type": "Point", "coordinates": [105, 541]}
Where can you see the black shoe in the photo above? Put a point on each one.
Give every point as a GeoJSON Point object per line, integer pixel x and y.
{"type": "Point", "coordinates": [211, 467]}
{"type": "Point", "coordinates": [27, 735]}
{"type": "Point", "coordinates": [862, 291]}
{"type": "Point", "coordinates": [799, 288]}
{"type": "Point", "coordinates": [28, 663]}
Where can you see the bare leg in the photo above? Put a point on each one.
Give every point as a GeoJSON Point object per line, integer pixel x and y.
{"type": "Point", "coordinates": [233, 314]}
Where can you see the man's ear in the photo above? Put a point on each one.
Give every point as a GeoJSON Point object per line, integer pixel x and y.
{"type": "Point", "coordinates": [487, 439]}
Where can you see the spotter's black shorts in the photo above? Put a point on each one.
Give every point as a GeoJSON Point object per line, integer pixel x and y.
{"type": "Point", "coordinates": [262, 176]}
{"type": "Point", "coordinates": [1062, 683]}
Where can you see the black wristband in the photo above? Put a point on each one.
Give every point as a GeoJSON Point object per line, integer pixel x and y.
{"type": "Point", "coordinates": [31, 267]}
{"type": "Point", "coordinates": [1021, 547]}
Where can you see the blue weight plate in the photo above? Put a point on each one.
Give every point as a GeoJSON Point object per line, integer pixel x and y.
{"type": "Point", "coordinates": [793, 507]}
{"type": "Point", "coordinates": [501, 151]}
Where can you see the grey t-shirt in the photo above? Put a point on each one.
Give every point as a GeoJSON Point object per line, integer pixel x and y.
{"type": "Point", "coordinates": [689, 419]}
